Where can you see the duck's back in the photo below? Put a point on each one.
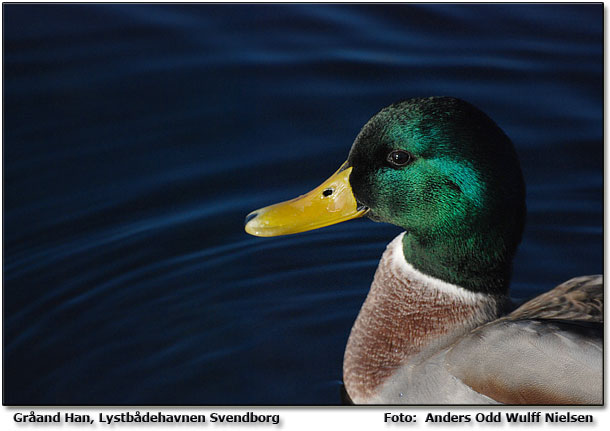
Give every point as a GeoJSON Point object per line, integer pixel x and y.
{"type": "Point", "coordinates": [548, 351]}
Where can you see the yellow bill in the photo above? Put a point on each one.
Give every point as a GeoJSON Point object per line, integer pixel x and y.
{"type": "Point", "coordinates": [329, 203]}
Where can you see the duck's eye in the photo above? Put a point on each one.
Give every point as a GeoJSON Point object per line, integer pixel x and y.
{"type": "Point", "coordinates": [399, 158]}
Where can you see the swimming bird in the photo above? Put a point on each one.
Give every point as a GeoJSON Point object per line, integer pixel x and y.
{"type": "Point", "coordinates": [437, 326]}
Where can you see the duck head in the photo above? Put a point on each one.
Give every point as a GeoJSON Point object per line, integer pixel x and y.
{"type": "Point", "coordinates": [439, 168]}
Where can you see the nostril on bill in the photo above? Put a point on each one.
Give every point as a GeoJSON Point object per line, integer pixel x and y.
{"type": "Point", "coordinates": [250, 217]}
{"type": "Point", "coordinates": [327, 192]}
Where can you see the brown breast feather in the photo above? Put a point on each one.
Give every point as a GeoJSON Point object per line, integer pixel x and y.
{"type": "Point", "coordinates": [398, 320]}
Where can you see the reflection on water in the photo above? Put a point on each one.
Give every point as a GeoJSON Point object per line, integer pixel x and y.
{"type": "Point", "coordinates": [137, 137]}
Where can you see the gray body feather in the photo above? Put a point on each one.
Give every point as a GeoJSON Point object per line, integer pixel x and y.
{"type": "Point", "coordinates": [548, 351]}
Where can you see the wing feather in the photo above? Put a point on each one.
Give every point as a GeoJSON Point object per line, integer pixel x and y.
{"type": "Point", "coordinates": [548, 351]}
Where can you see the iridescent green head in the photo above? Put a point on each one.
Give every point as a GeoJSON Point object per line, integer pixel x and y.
{"type": "Point", "coordinates": [437, 167]}
{"type": "Point", "coordinates": [445, 172]}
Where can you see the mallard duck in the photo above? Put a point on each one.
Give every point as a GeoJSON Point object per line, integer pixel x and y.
{"type": "Point", "coordinates": [436, 326]}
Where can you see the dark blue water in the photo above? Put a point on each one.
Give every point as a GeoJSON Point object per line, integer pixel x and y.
{"type": "Point", "coordinates": [137, 137]}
